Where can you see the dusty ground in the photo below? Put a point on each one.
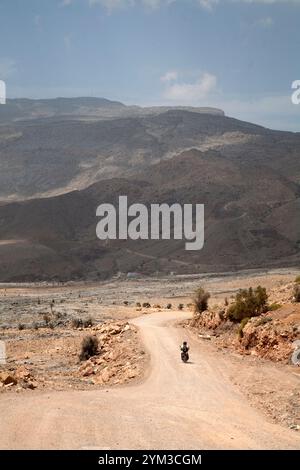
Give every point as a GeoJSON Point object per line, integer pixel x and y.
{"type": "Point", "coordinates": [49, 358]}
{"type": "Point", "coordinates": [222, 399]}
{"type": "Point", "coordinates": [178, 406]}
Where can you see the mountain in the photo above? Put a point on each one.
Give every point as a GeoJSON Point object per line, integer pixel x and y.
{"type": "Point", "coordinates": [47, 157]}
{"type": "Point", "coordinates": [55, 171]}
{"type": "Point", "coordinates": [82, 108]}
{"type": "Point", "coordinates": [248, 211]}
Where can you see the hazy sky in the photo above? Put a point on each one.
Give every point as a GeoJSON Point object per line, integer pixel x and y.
{"type": "Point", "coordinates": [239, 55]}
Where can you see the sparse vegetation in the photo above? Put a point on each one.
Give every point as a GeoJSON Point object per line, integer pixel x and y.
{"type": "Point", "coordinates": [222, 314]}
{"type": "Point", "coordinates": [88, 322]}
{"type": "Point", "coordinates": [21, 326]}
{"type": "Point", "coordinates": [35, 326]}
{"type": "Point", "coordinates": [226, 303]}
{"type": "Point", "coordinates": [146, 305]}
{"type": "Point", "coordinates": [46, 319]}
{"type": "Point", "coordinates": [180, 307]}
{"type": "Point", "coordinates": [242, 326]}
{"type": "Point", "coordinates": [297, 280]}
{"type": "Point", "coordinates": [297, 293]}
{"type": "Point", "coordinates": [248, 303]}
{"type": "Point", "coordinates": [169, 306]}
{"type": "Point", "coordinates": [263, 321]}
{"type": "Point", "coordinates": [138, 304]}
{"type": "Point", "coordinates": [89, 347]}
{"type": "Point", "coordinates": [274, 306]}
{"type": "Point", "coordinates": [77, 323]}
{"type": "Point", "coordinates": [201, 300]}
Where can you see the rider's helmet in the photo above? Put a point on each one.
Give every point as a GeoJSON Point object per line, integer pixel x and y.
{"type": "Point", "coordinates": [184, 343]}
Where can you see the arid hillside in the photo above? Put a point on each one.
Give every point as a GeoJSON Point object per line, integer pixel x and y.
{"type": "Point", "coordinates": [55, 171]}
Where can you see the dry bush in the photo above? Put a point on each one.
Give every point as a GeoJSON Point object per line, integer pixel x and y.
{"type": "Point", "coordinates": [88, 322]}
{"type": "Point", "coordinates": [201, 300]}
{"type": "Point", "coordinates": [77, 323]}
{"type": "Point", "coordinates": [89, 347]}
{"type": "Point", "coordinates": [297, 293]}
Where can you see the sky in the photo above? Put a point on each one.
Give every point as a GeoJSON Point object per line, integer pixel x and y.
{"type": "Point", "coordinates": [238, 55]}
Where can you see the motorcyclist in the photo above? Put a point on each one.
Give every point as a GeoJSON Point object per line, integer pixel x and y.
{"type": "Point", "coordinates": [184, 347]}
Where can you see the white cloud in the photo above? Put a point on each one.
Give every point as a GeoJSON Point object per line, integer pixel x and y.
{"type": "Point", "coordinates": [269, 2]}
{"type": "Point", "coordinates": [208, 4]}
{"type": "Point", "coordinates": [7, 68]}
{"type": "Point", "coordinates": [112, 5]}
{"type": "Point", "coordinates": [266, 22]}
{"type": "Point", "coordinates": [188, 93]}
{"type": "Point", "coordinates": [169, 76]}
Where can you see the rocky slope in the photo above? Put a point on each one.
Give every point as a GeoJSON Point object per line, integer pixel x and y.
{"type": "Point", "coordinates": [247, 177]}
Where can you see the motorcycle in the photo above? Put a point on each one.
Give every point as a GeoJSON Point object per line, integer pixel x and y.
{"type": "Point", "coordinates": [184, 356]}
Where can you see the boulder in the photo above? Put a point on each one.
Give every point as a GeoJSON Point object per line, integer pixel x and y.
{"type": "Point", "coordinates": [7, 379]}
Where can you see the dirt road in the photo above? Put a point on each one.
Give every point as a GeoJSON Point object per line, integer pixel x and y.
{"type": "Point", "coordinates": [181, 406]}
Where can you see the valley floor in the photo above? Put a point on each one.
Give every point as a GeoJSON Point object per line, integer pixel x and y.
{"type": "Point", "coordinates": [205, 404]}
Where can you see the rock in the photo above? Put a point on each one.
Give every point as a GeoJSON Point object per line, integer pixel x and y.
{"type": "Point", "coordinates": [7, 379]}
{"type": "Point", "coordinates": [131, 374]}
{"type": "Point", "coordinates": [88, 371]}
{"type": "Point", "coordinates": [9, 385]}
{"type": "Point", "coordinates": [113, 355]}
{"type": "Point", "coordinates": [32, 384]}
{"type": "Point", "coordinates": [105, 375]}
{"type": "Point", "coordinates": [23, 373]}
{"type": "Point", "coordinates": [205, 336]}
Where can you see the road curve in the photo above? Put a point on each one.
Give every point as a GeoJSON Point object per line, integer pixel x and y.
{"type": "Point", "coordinates": [178, 406]}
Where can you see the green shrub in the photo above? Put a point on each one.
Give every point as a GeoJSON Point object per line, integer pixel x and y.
{"type": "Point", "coordinates": [274, 306]}
{"type": "Point", "coordinates": [169, 306]}
{"type": "Point", "coordinates": [201, 300]}
{"type": "Point", "coordinates": [21, 326]}
{"type": "Point", "coordinates": [180, 307]}
{"type": "Point", "coordinates": [248, 303]}
{"type": "Point", "coordinates": [297, 280]}
{"type": "Point", "coordinates": [89, 347]}
{"type": "Point", "coordinates": [297, 293]}
{"type": "Point", "coordinates": [263, 321]}
{"type": "Point", "coordinates": [242, 326]}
